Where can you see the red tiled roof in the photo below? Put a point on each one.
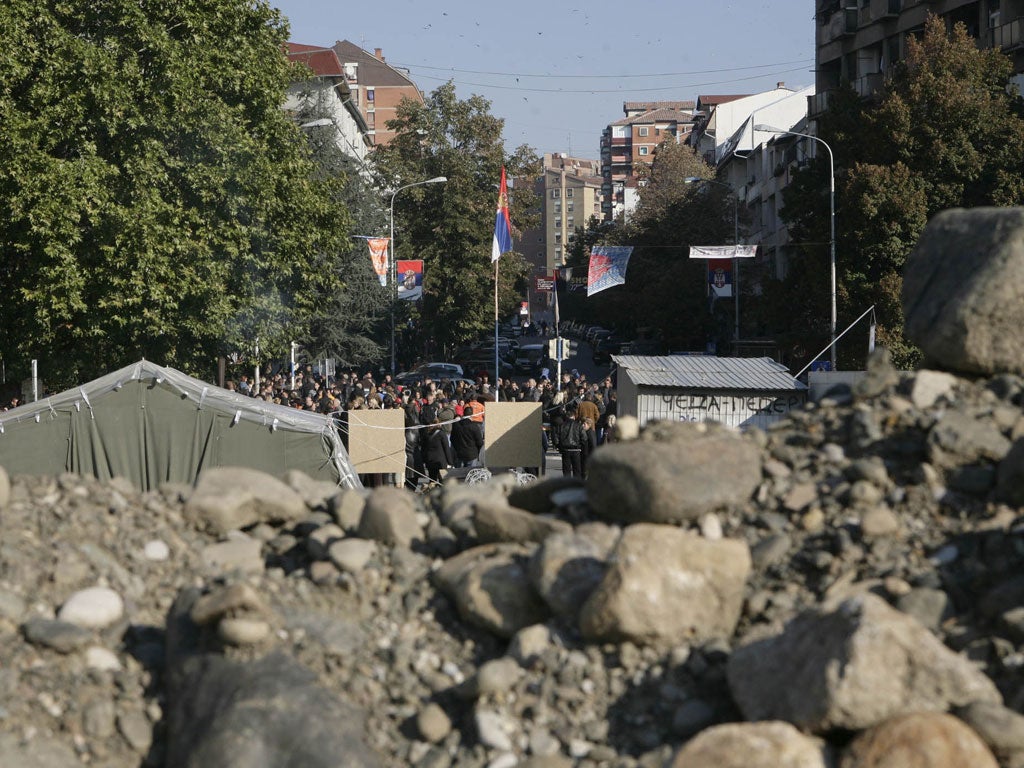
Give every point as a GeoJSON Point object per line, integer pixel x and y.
{"type": "Point", "coordinates": [323, 61]}
{"type": "Point", "coordinates": [656, 116]}
{"type": "Point", "coordinates": [630, 106]}
{"type": "Point", "coordinates": [720, 99]}
{"type": "Point", "coordinates": [372, 71]}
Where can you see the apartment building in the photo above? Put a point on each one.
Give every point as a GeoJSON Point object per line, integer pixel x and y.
{"type": "Point", "coordinates": [858, 41]}
{"type": "Point", "coordinates": [569, 189]}
{"type": "Point", "coordinates": [631, 141]}
{"type": "Point", "coordinates": [328, 94]}
{"type": "Point", "coordinates": [376, 87]}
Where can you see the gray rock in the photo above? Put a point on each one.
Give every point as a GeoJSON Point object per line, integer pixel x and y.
{"type": "Point", "coordinates": [501, 522]}
{"type": "Point", "coordinates": [494, 729]}
{"type": "Point", "coordinates": [5, 489]}
{"type": "Point", "coordinates": [770, 550]}
{"type": "Point", "coordinates": [239, 553]}
{"type": "Point", "coordinates": [961, 290]}
{"type": "Point", "coordinates": [565, 570]}
{"type": "Point", "coordinates": [928, 387]}
{"type": "Point", "coordinates": [658, 565]}
{"type": "Point", "coordinates": [929, 606]}
{"type": "Point", "coordinates": [223, 600]}
{"type": "Point", "coordinates": [676, 481]}
{"type": "Point", "coordinates": [99, 717]}
{"type": "Point", "coordinates": [230, 498]}
{"type": "Point", "coordinates": [352, 555]}
{"type": "Point", "coordinates": [960, 438]}
{"type": "Point", "coordinates": [136, 729]}
{"type": "Point", "coordinates": [346, 506]}
{"type": "Point", "coordinates": [266, 712]}
{"type": "Point", "coordinates": [1010, 475]}
{"type": "Point", "coordinates": [316, 493]}
{"type": "Point", "coordinates": [752, 745]}
{"type": "Point", "coordinates": [60, 636]}
{"type": "Point", "coordinates": [529, 644]}
{"type": "Point", "coordinates": [498, 675]}
{"type": "Point", "coordinates": [390, 518]}
{"type": "Point", "coordinates": [851, 664]}
{"type": "Point", "coordinates": [12, 606]}
{"type": "Point", "coordinates": [433, 723]}
{"type": "Point", "coordinates": [491, 589]}
{"type": "Point", "coordinates": [536, 497]}
{"type": "Point", "coordinates": [919, 740]}
{"type": "Point", "coordinates": [39, 752]}
{"type": "Point", "coordinates": [1000, 727]}
{"type": "Point", "coordinates": [92, 608]}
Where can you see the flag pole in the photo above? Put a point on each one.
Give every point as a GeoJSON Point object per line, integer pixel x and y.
{"type": "Point", "coordinates": [496, 369]}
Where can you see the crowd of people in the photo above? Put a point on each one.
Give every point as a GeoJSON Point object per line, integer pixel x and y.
{"type": "Point", "coordinates": [444, 418]}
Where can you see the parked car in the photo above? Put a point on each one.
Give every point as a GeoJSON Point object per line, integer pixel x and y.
{"type": "Point", "coordinates": [479, 364]}
{"type": "Point", "coordinates": [608, 346]}
{"type": "Point", "coordinates": [531, 358]}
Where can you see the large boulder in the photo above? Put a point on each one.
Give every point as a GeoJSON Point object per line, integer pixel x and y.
{"type": "Point", "coordinates": [961, 290]}
{"type": "Point", "coordinates": [919, 740]}
{"type": "Point", "coordinates": [667, 585]}
{"type": "Point", "coordinates": [568, 567]}
{"type": "Point", "coordinates": [390, 518]}
{"type": "Point", "coordinates": [230, 498]}
{"type": "Point", "coordinates": [673, 480]}
{"type": "Point", "coordinates": [851, 664]}
{"type": "Point", "coordinates": [501, 522]}
{"type": "Point", "coordinates": [752, 745]}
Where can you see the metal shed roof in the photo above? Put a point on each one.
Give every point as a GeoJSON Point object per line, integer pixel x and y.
{"type": "Point", "coordinates": [707, 372]}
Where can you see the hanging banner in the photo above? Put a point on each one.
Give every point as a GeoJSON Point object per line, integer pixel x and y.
{"type": "Point", "coordinates": [723, 251]}
{"type": "Point", "coordinates": [720, 278]}
{"type": "Point", "coordinates": [607, 267]}
{"type": "Point", "coordinates": [379, 257]}
{"type": "Point", "coordinates": [410, 279]}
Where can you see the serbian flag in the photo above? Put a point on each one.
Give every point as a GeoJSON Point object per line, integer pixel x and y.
{"type": "Point", "coordinates": [379, 257]}
{"type": "Point", "coordinates": [502, 223]}
{"type": "Point", "coordinates": [607, 267]}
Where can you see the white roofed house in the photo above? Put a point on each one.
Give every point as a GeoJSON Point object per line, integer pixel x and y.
{"type": "Point", "coordinates": [738, 391]}
{"type": "Point", "coordinates": [328, 97]}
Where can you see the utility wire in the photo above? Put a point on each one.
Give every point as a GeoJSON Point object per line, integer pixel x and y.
{"type": "Point", "coordinates": [608, 77]}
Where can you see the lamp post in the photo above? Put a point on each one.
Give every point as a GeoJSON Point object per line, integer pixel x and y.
{"type": "Point", "coordinates": [832, 222]}
{"type": "Point", "coordinates": [394, 253]}
{"type": "Point", "coordinates": [735, 247]}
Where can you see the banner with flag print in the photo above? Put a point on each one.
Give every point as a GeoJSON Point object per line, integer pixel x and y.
{"type": "Point", "coordinates": [720, 278]}
{"type": "Point", "coordinates": [723, 251]}
{"type": "Point", "coordinates": [607, 267]}
{"type": "Point", "coordinates": [502, 222]}
{"type": "Point", "coordinates": [379, 257]}
{"type": "Point", "coordinates": [410, 279]}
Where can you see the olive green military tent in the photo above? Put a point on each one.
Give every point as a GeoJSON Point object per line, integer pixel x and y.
{"type": "Point", "coordinates": [153, 425]}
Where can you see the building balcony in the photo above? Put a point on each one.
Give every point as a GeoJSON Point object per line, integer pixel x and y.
{"type": "Point", "coordinates": [1009, 36]}
{"type": "Point", "coordinates": [892, 8]}
{"type": "Point", "coordinates": [620, 142]}
{"type": "Point", "coordinates": [817, 104]}
{"type": "Point", "coordinates": [868, 85]}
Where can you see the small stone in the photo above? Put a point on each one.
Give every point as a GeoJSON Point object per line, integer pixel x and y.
{"type": "Point", "coordinates": [241, 553]}
{"type": "Point", "coordinates": [92, 608]}
{"type": "Point", "coordinates": [879, 521]}
{"type": "Point", "coordinates": [813, 520]}
{"type": "Point", "coordinates": [800, 497]}
{"type": "Point", "coordinates": [60, 636]}
{"type": "Point", "coordinates": [156, 550]}
{"type": "Point", "coordinates": [103, 659]}
{"type": "Point", "coordinates": [352, 555]}
{"type": "Point", "coordinates": [136, 729]}
{"type": "Point", "coordinates": [498, 675]}
{"type": "Point", "coordinates": [493, 730]}
{"type": "Point", "coordinates": [529, 644]}
{"type": "Point", "coordinates": [98, 718]}
{"type": "Point", "coordinates": [242, 631]}
{"type": "Point", "coordinates": [433, 723]}
{"type": "Point", "coordinates": [238, 597]}
{"type": "Point", "coordinates": [711, 527]}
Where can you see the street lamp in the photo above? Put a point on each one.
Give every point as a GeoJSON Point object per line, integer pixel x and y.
{"type": "Point", "coordinates": [832, 221]}
{"type": "Point", "coordinates": [317, 123]}
{"type": "Point", "coordinates": [735, 248]}
{"type": "Point", "coordinates": [394, 253]}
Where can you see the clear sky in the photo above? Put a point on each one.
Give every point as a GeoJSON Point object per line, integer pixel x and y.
{"type": "Point", "coordinates": [558, 71]}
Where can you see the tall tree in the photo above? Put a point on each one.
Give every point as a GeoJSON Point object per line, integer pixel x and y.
{"type": "Point", "coordinates": [451, 225]}
{"type": "Point", "coordinates": [348, 320]}
{"type": "Point", "coordinates": [154, 198]}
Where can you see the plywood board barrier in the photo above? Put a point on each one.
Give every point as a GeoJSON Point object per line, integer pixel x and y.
{"type": "Point", "coordinates": [376, 440]}
{"type": "Point", "coordinates": [512, 434]}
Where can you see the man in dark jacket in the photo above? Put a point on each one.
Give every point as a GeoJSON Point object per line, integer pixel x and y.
{"type": "Point", "coordinates": [571, 439]}
{"type": "Point", "coordinates": [467, 440]}
{"type": "Point", "coordinates": [437, 453]}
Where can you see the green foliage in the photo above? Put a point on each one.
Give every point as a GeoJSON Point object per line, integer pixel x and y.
{"type": "Point", "coordinates": [450, 226]}
{"type": "Point", "coordinates": [154, 198]}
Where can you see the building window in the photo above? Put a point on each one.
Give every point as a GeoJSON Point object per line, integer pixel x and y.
{"type": "Point", "coordinates": [370, 119]}
{"type": "Point", "coordinates": [568, 192]}
{"type": "Point", "coordinates": [642, 131]}
{"type": "Point", "coordinates": [643, 150]}
{"type": "Point", "coordinates": [558, 223]}
{"type": "Point", "coordinates": [558, 207]}
{"type": "Point", "coordinates": [558, 237]}
{"type": "Point", "coordinates": [369, 95]}
{"type": "Point", "coordinates": [554, 194]}
{"type": "Point", "coordinates": [569, 207]}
